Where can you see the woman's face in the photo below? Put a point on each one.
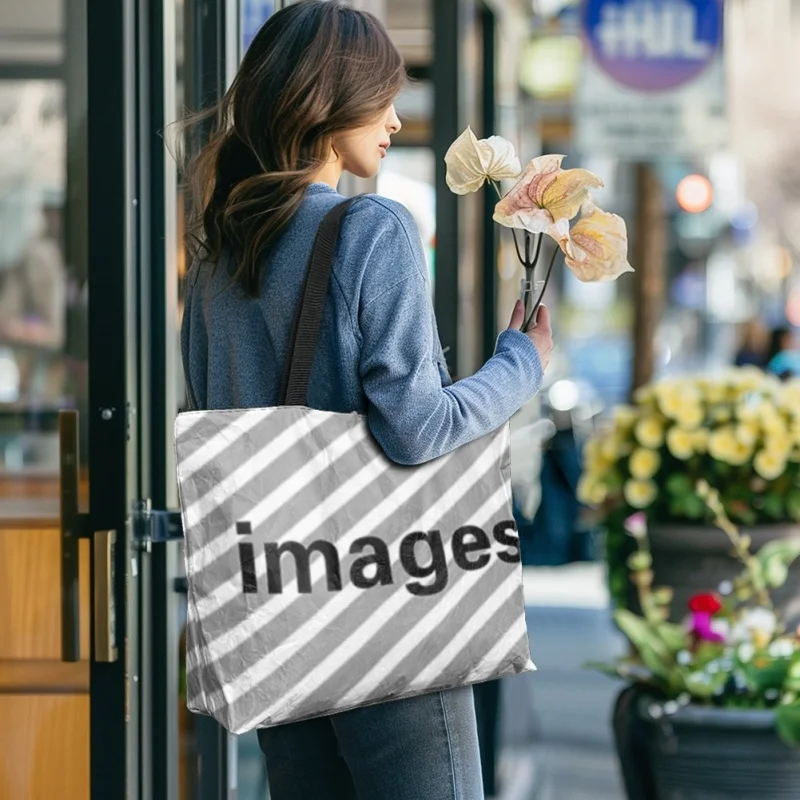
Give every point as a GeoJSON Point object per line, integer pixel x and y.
{"type": "Point", "coordinates": [362, 149]}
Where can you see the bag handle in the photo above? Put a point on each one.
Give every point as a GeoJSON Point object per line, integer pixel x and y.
{"type": "Point", "coordinates": [308, 316]}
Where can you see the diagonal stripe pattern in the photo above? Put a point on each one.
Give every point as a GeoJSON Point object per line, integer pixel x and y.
{"type": "Point", "coordinates": [322, 576]}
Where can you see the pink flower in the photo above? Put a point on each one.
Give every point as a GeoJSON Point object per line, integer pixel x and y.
{"type": "Point", "coordinates": [703, 607]}
{"type": "Point", "coordinates": [636, 525]}
{"type": "Point", "coordinates": [546, 197]}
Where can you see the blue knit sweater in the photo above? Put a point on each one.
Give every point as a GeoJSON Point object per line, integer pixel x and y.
{"type": "Point", "coordinates": [379, 351]}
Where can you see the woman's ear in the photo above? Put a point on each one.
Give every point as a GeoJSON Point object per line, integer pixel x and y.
{"type": "Point", "coordinates": [333, 154]}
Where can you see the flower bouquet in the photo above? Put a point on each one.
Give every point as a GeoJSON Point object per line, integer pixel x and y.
{"type": "Point", "coordinates": [739, 429]}
{"type": "Point", "coordinates": [732, 650]}
{"type": "Point", "coordinates": [542, 202]}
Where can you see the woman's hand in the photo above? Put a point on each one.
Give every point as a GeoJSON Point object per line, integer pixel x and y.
{"type": "Point", "coordinates": [539, 332]}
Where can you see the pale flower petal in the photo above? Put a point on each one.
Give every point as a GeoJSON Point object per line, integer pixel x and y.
{"type": "Point", "coordinates": [470, 162]}
{"type": "Point", "coordinates": [545, 187]}
{"type": "Point", "coordinates": [526, 194]}
{"type": "Point", "coordinates": [597, 247]}
{"type": "Point", "coordinates": [534, 220]}
{"type": "Point", "coordinates": [564, 197]}
{"type": "Point", "coordinates": [498, 158]}
{"type": "Point", "coordinates": [464, 171]}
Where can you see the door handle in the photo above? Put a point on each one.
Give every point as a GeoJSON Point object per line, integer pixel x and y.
{"type": "Point", "coordinates": [105, 638]}
{"type": "Point", "coordinates": [70, 523]}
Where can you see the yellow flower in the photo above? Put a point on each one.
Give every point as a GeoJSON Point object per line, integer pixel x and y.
{"type": "Point", "coordinates": [649, 432]}
{"type": "Point", "coordinates": [545, 197]}
{"type": "Point", "coordinates": [639, 494]}
{"type": "Point", "coordinates": [700, 440]}
{"type": "Point", "coordinates": [643, 464]}
{"type": "Point", "coordinates": [644, 394]}
{"type": "Point", "coordinates": [724, 446]}
{"type": "Point", "coordinates": [769, 465]}
{"type": "Point", "coordinates": [749, 412]}
{"type": "Point", "coordinates": [680, 443]}
{"type": "Point", "coordinates": [591, 492]}
{"type": "Point", "coordinates": [715, 392]}
{"type": "Point", "coordinates": [625, 417]}
{"type": "Point", "coordinates": [596, 249]}
{"type": "Point", "coordinates": [690, 415]}
{"type": "Point", "coordinates": [471, 162]}
{"type": "Point", "coordinates": [747, 433]}
{"type": "Point", "coordinates": [721, 414]}
{"type": "Point", "coordinates": [673, 398]}
{"type": "Point", "coordinates": [789, 396]}
{"type": "Point", "coordinates": [780, 447]}
{"type": "Point", "coordinates": [740, 454]}
{"type": "Point", "coordinates": [773, 423]}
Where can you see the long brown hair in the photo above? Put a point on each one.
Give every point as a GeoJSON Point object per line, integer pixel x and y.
{"type": "Point", "coordinates": [315, 69]}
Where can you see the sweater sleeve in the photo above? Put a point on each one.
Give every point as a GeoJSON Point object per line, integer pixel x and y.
{"type": "Point", "coordinates": [411, 414]}
{"type": "Point", "coordinates": [194, 346]}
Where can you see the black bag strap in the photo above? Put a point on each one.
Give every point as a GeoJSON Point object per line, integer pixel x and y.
{"type": "Point", "coordinates": [308, 316]}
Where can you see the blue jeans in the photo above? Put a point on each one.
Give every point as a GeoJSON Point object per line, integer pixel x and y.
{"type": "Point", "coordinates": [421, 748]}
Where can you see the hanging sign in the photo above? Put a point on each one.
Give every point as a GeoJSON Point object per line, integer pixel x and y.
{"type": "Point", "coordinates": [652, 81]}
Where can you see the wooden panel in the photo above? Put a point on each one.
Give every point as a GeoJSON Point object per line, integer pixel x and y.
{"type": "Point", "coordinates": [36, 677]}
{"type": "Point", "coordinates": [44, 747]}
{"type": "Point", "coordinates": [30, 594]}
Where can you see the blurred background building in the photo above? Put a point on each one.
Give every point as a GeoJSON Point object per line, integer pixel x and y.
{"type": "Point", "coordinates": [693, 125]}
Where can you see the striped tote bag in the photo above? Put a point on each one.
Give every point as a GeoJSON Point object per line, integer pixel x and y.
{"type": "Point", "coordinates": [322, 576]}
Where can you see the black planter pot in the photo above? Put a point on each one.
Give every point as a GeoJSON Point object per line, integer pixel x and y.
{"type": "Point", "coordinates": [701, 753]}
{"type": "Point", "coordinates": [696, 558]}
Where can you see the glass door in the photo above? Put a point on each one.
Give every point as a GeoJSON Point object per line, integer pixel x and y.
{"type": "Point", "coordinates": [90, 562]}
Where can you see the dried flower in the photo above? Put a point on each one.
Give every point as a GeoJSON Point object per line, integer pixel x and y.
{"type": "Point", "coordinates": [472, 161]}
{"type": "Point", "coordinates": [597, 247]}
{"type": "Point", "coordinates": [546, 197]}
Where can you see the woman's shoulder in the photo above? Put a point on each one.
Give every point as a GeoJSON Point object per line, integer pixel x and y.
{"type": "Point", "coordinates": [382, 215]}
{"type": "Point", "coordinates": [379, 227]}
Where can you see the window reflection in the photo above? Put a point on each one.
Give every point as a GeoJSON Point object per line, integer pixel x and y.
{"type": "Point", "coordinates": [42, 296]}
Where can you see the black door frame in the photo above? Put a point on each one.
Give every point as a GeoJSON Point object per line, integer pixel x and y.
{"type": "Point", "coordinates": [113, 385]}
{"type": "Point", "coordinates": [133, 699]}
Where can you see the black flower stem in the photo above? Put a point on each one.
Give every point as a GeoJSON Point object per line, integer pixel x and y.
{"type": "Point", "coordinates": [516, 247]}
{"type": "Point", "coordinates": [541, 294]}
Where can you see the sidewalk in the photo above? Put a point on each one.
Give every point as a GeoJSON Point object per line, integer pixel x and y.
{"type": "Point", "coordinates": [557, 740]}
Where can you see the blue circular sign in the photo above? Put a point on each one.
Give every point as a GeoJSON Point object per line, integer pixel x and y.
{"type": "Point", "coordinates": [653, 45]}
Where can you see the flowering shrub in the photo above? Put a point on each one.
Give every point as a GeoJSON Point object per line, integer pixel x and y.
{"type": "Point", "coordinates": [732, 650]}
{"type": "Point", "coordinates": [739, 430]}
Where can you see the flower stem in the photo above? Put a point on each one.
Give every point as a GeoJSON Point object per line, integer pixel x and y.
{"type": "Point", "coordinates": [541, 294]}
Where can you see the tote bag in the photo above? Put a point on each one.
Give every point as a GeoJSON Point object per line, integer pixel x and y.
{"type": "Point", "coordinates": [321, 575]}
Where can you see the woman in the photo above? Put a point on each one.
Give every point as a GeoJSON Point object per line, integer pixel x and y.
{"type": "Point", "coordinates": [314, 98]}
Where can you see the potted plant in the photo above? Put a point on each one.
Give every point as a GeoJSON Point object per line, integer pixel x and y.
{"type": "Point", "coordinates": [739, 430]}
{"type": "Point", "coordinates": [712, 709]}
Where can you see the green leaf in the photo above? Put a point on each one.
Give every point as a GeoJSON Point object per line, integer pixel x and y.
{"type": "Point", "coordinates": [612, 670]}
{"type": "Point", "coordinates": [674, 637]}
{"type": "Point", "coordinates": [703, 684]}
{"type": "Point", "coordinates": [694, 507]}
{"type": "Point", "coordinates": [679, 484]}
{"type": "Point", "coordinates": [773, 506]}
{"type": "Point", "coordinates": [775, 558]}
{"type": "Point", "coordinates": [766, 673]}
{"type": "Point", "coordinates": [652, 650]}
{"type": "Point", "coordinates": [787, 722]}
{"type": "Point", "coordinates": [793, 505]}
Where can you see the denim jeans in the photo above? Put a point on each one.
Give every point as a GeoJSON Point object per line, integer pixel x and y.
{"type": "Point", "coordinates": [421, 748]}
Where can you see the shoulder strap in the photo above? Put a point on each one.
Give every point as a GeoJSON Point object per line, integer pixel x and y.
{"type": "Point", "coordinates": [308, 316]}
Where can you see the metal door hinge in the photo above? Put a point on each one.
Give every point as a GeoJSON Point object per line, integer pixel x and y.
{"type": "Point", "coordinates": [154, 525]}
